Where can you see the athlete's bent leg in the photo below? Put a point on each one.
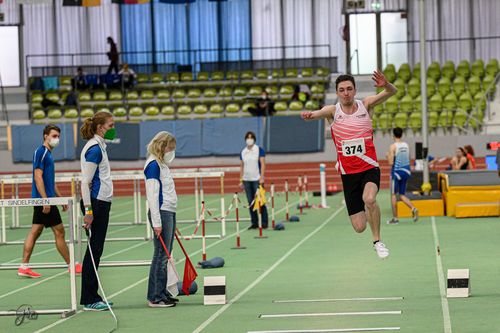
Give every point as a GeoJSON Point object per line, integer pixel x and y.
{"type": "Point", "coordinates": [29, 243]}
{"type": "Point", "coordinates": [372, 209]}
{"type": "Point", "coordinates": [358, 221]}
{"type": "Point", "coordinates": [61, 242]}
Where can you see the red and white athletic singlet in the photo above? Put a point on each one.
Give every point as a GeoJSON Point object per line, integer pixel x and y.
{"type": "Point", "coordinates": [353, 137]}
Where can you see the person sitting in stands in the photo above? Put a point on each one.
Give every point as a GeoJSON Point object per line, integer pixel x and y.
{"type": "Point", "coordinates": [264, 106]}
{"type": "Point", "coordinates": [79, 81]}
{"type": "Point", "coordinates": [128, 76]}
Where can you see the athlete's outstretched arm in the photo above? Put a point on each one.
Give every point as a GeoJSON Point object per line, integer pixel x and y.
{"type": "Point", "coordinates": [381, 97]}
{"type": "Point", "coordinates": [326, 111]}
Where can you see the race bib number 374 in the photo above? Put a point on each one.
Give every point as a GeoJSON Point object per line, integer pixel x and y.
{"type": "Point", "coordinates": [353, 147]}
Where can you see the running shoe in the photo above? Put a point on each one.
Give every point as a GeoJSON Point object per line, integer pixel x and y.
{"type": "Point", "coordinates": [161, 304]}
{"type": "Point", "coordinates": [27, 272]}
{"type": "Point", "coordinates": [393, 221]}
{"type": "Point", "coordinates": [78, 268]}
{"type": "Point", "coordinates": [382, 251]}
{"type": "Point", "coordinates": [97, 306]}
{"type": "Point", "coordinates": [414, 214]}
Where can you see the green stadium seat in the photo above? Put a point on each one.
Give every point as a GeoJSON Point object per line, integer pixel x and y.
{"type": "Point", "coordinates": [65, 80]}
{"type": "Point", "coordinates": [406, 104]}
{"type": "Point", "coordinates": [38, 114]}
{"type": "Point", "coordinates": [401, 120]}
{"type": "Point", "coordinates": [71, 113]}
{"type": "Point", "coordinates": [475, 123]}
{"type": "Point", "coordinates": [232, 75]}
{"type": "Point", "coordinates": [416, 71]}
{"type": "Point", "coordinates": [226, 92]}
{"type": "Point", "coordinates": [414, 87]}
{"type": "Point", "coordinates": [157, 78]}
{"type": "Point", "coordinates": [132, 95]}
{"type": "Point", "coordinates": [100, 96]}
{"type": "Point", "coordinates": [200, 109]}
{"type": "Point", "coordinates": [178, 93]}
{"type": "Point", "coordinates": [172, 77]}
{"type": "Point", "coordinates": [477, 68]}
{"type": "Point", "coordinates": [404, 72]}
{"type": "Point", "coordinates": [202, 76]}
{"type": "Point", "coordinates": [444, 86]}
{"type": "Point", "coordinates": [291, 72]}
{"type": "Point", "coordinates": [432, 118]}
{"type": "Point", "coordinates": [492, 67]}
{"type": "Point", "coordinates": [272, 90]}
{"type": "Point", "coordinates": [86, 112]}
{"type": "Point", "coordinates": [460, 119]}
{"type": "Point", "coordinates": [280, 106]}
{"type": "Point", "coordinates": [448, 70]}
{"type": "Point", "coordinates": [54, 97]}
{"type": "Point", "coordinates": [217, 76]}
{"type": "Point", "coordinates": [55, 113]}
{"type": "Point", "coordinates": [401, 86]}
{"type": "Point", "coordinates": [115, 95]}
{"type": "Point", "coordinates": [307, 72]}
{"type": "Point", "coordinates": [286, 90]}
{"type": "Point", "coordinates": [119, 111]}
{"type": "Point", "coordinates": [262, 74]}
{"type": "Point", "coordinates": [459, 85]}
{"type": "Point", "coordinates": [184, 109]}
{"type": "Point", "coordinates": [435, 103]}
{"type": "Point", "coordinates": [489, 82]}
{"type": "Point", "coordinates": [377, 109]}
{"type": "Point", "coordinates": [375, 121]}
{"type": "Point", "coordinates": [102, 108]}
{"type": "Point", "coordinates": [450, 102]}
{"type": "Point", "coordinates": [163, 94]}
{"type": "Point", "coordinates": [216, 108]}
{"type": "Point", "coordinates": [478, 114]}
{"type": "Point", "coordinates": [246, 106]}
{"type": "Point", "coordinates": [434, 71]}
{"type": "Point", "coordinates": [277, 73]}
{"type": "Point", "coordinates": [152, 111]}
{"type": "Point", "coordinates": [384, 122]}
{"type": "Point", "coordinates": [463, 69]}
{"type": "Point", "coordinates": [390, 72]}
{"type": "Point", "coordinates": [296, 106]}
{"type": "Point", "coordinates": [391, 105]}
{"type": "Point", "coordinates": [465, 102]}
{"type": "Point", "coordinates": [142, 78]}
{"type": "Point", "coordinates": [167, 110]}
{"type": "Point", "coordinates": [445, 119]}
{"type": "Point", "coordinates": [36, 98]}
{"type": "Point", "coordinates": [323, 72]}
{"type": "Point", "coordinates": [194, 93]}
{"type": "Point", "coordinates": [312, 105]}
{"type": "Point", "coordinates": [246, 75]}
{"type": "Point", "coordinates": [210, 92]}
{"type": "Point", "coordinates": [240, 91]}
{"type": "Point", "coordinates": [186, 76]}
{"type": "Point", "coordinates": [431, 86]}
{"type": "Point", "coordinates": [255, 91]}
{"type": "Point", "coordinates": [480, 101]}
{"type": "Point", "coordinates": [232, 107]}
{"type": "Point", "coordinates": [316, 88]}
{"type": "Point", "coordinates": [135, 111]}
{"type": "Point", "coordinates": [474, 84]}
{"type": "Point", "coordinates": [415, 121]}
{"type": "Point", "coordinates": [147, 94]}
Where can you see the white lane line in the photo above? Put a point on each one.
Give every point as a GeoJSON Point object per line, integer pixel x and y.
{"type": "Point", "coordinates": [33, 284]}
{"type": "Point", "coordinates": [354, 299]}
{"type": "Point", "coordinates": [330, 314]}
{"type": "Point", "coordinates": [439, 265]}
{"type": "Point", "coordinates": [263, 275]}
{"type": "Point", "coordinates": [334, 330]}
{"type": "Point", "coordinates": [43, 329]}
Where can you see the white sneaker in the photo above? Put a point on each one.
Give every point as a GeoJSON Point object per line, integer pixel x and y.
{"type": "Point", "coordinates": [414, 214]}
{"type": "Point", "coordinates": [382, 251]}
{"type": "Point", "coordinates": [393, 221]}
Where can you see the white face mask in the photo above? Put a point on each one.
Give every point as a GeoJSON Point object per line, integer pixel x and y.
{"type": "Point", "coordinates": [250, 141]}
{"type": "Point", "coordinates": [54, 142]}
{"type": "Point", "coordinates": [168, 157]}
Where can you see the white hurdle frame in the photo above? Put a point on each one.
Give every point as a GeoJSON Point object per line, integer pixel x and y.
{"type": "Point", "coordinates": [51, 201]}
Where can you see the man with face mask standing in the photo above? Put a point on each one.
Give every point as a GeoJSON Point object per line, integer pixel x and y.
{"type": "Point", "coordinates": [44, 186]}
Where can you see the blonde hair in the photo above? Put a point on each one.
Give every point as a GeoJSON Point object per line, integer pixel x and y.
{"type": "Point", "coordinates": [157, 145]}
{"type": "Point", "coordinates": [89, 127]}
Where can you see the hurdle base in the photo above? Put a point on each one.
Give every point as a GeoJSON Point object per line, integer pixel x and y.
{"type": "Point", "coordinates": [258, 237]}
{"type": "Point", "coordinates": [68, 314]}
{"type": "Point", "coordinates": [239, 248]}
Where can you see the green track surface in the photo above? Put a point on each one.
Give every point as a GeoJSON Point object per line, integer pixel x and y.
{"type": "Point", "coordinates": [320, 257]}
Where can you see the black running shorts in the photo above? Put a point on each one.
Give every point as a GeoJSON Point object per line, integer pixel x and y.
{"type": "Point", "coordinates": [354, 184]}
{"type": "Point", "coordinates": [51, 219]}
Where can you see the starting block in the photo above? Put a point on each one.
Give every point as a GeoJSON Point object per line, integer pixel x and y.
{"type": "Point", "coordinates": [214, 290]}
{"type": "Point", "coordinates": [458, 283]}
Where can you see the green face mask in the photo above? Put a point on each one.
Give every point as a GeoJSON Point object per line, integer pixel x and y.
{"type": "Point", "coordinates": [110, 134]}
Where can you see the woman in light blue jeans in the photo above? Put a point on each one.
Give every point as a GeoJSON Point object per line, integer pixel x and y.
{"type": "Point", "coordinates": [162, 201]}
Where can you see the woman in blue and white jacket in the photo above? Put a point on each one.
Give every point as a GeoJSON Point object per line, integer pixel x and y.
{"type": "Point", "coordinates": [162, 201]}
